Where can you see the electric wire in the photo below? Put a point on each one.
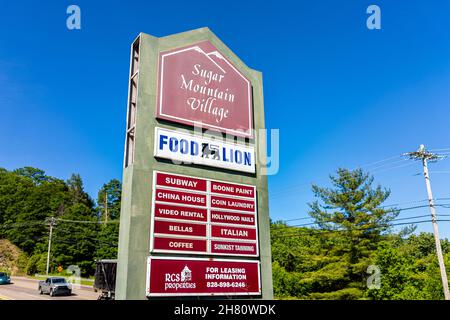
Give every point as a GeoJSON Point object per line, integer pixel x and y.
{"type": "Point", "coordinates": [299, 231]}
{"type": "Point", "coordinates": [445, 206]}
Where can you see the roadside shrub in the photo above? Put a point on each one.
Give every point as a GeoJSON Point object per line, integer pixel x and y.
{"type": "Point", "coordinates": [36, 264]}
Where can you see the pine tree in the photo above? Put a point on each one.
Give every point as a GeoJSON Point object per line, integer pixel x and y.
{"type": "Point", "coordinates": [76, 188]}
{"type": "Point", "coordinates": [351, 212]}
{"type": "Point", "coordinates": [108, 200]}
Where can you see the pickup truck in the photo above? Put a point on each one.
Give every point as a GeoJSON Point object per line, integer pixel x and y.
{"type": "Point", "coordinates": [55, 286]}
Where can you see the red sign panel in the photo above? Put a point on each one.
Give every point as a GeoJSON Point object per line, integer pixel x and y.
{"type": "Point", "coordinates": [179, 228]}
{"type": "Point", "coordinates": [232, 204]}
{"type": "Point", "coordinates": [206, 221]}
{"type": "Point", "coordinates": [183, 182]}
{"type": "Point", "coordinates": [235, 248]}
{"type": "Point", "coordinates": [180, 244]}
{"type": "Point", "coordinates": [197, 85]}
{"type": "Point", "coordinates": [168, 211]}
{"type": "Point", "coordinates": [233, 232]}
{"type": "Point", "coordinates": [232, 189]}
{"type": "Point", "coordinates": [176, 276]}
{"type": "Point", "coordinates": [233, 218]}
{"type": "Point", "coordinates": [180, 197]}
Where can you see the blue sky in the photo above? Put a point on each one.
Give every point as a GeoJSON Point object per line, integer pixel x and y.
{"type": "Point", "coordinates": [341, 95]}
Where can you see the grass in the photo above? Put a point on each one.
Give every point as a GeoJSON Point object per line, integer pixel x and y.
{"type": "Point", "coordinates": [84, 281]}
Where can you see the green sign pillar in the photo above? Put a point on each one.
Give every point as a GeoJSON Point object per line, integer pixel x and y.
{"type": "Point", "coordinates": [140, 162]}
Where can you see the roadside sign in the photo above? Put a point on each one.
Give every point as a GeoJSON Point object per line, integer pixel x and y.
{"type": "Point", "coordinates": [196, 149]}
{"type": "Point", "coordinates": [193, 199]}
{"type": "Point", "coordinates": [169, 276]}
{"type": "Point", "coordinates": [193, 215]}
{"type": "Point", "coordinates": [197, 85]}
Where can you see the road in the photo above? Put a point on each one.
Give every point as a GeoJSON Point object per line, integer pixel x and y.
{"type": "Point", "coordinates": [22, 288]}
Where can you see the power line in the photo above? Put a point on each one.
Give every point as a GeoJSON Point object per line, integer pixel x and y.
{"type": "Point", "coordinates": [295, 187]}
{"type": "Point", "coordinates": [389, 169]}
{"type": "Point", "coordinates": [376, 162]}
{"type": "Point", "coordinates": [444, 149]}
{"type": "Point", "coordinates": [331, 220]}
{"type": "Point", "coordinates": [24, 223]}
{"type": "Point", "coordinates": [446, 206]}
{"type": "Point", "coordinates": [409, 218]}
{"type": "Point", "coordinates": [87, 221]}
{"type": "Point", "coordinates": [385, 206]}
{"type": "Point", "coordinates": [304, 218]}
{"type": "Point", "coordinates": [84, 236]}
{"type": "Point", "coordinates": [45, 222]}
{"type": "Point", "coordinates": [410, 202]}
{"type": "Point", "coordinates": [293, 233]}
{"type": "Point", "coordinates": [381, 166]}
{"type": "Point", "coordinates": [292, 189]}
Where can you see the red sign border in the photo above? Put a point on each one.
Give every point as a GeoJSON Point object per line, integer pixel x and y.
{"type": "Point", "coordinates": [208, 237]}
{"type": "Point", "coordinates": [175, 237]}
{"type": "Point", "coordinates": [168, 189]}
{"type": "Point", "coordinates": [161, 115]}
{"type": "Point", "coordinates": [178, 219]}
{"type": "Point", "coordinates": [194, 225]}
{"type": "Point", "coordinates": [147, 283]}
{"type": "Point", "coordinates": [184, 189]}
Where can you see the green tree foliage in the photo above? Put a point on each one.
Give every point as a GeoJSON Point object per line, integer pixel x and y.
{"type": "Point", "coordinates": [36, 175]}
{"type": "Point", "coordinates": [36, 264]}
{"type": "Point", "coordinates": [296, 253]}
{"type": "Point", "coordinates": [108, 200]}
{"type": "Point", "coordinates": [327, 262]}
{"type": "Point", "coordinates": [352, 212]}
{"type": "Point", "coordinates": [28, 198]}
{"type": "Point", "coordinates": [108, 206]}
{"type": "Point", "coordinates": [75, 243]}
{"type": "Point", "coordinates": [304, 267]}
{"type": "Point", "coordinates": [108, 241]}
{"type": "Point", "coordinates": [409, 269]}
{"type": "Point", "coordinates": [76, 189]}
{"type": "Point", "coordinates": [353, 232]}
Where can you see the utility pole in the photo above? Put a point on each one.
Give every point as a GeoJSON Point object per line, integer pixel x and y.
{"type": "Point", "coordinates": [426, 156]}
{"type": "Point", "coordinates": [52, 223]}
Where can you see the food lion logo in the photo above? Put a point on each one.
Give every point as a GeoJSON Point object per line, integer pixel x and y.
{"type": "Point", "coordinates": [182, 280]}
{"type": "Point", "coordinates": [210, 150]}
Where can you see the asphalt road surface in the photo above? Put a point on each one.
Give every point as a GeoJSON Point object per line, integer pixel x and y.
{"type": "Point", "coordinates": [22, 288]}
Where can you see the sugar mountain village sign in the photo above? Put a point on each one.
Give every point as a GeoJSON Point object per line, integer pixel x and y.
{"type": "Point", "coordinates": [194, 218]}
{"type": "Point", "coordinates": [199, 85]}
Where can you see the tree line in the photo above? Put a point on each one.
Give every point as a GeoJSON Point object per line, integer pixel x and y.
{"type": "Point", "coordinates": [29, 198]}
{"type": "Point", "coordinates": [353, 251]}
{"type": "Point", "coordinates": [350, 251]}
